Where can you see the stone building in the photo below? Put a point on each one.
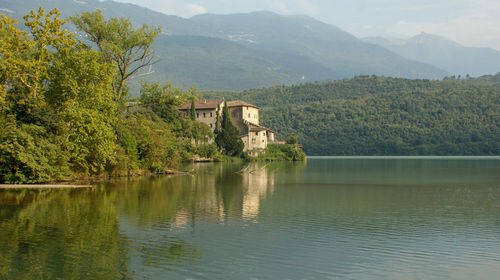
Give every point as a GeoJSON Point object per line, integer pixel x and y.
{"type": "Point", "coordinates": [244, 116]}
{"type": "Point", "coordinates": [206, 111]}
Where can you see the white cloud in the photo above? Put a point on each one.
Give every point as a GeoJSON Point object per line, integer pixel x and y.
{"type": "Point", "coordinates": [196, 9]}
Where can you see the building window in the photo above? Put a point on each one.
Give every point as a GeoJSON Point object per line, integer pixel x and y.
{"type": "Point", "coordinates": [249, 115]}
{"type": "Point", "coordinates": [197, 115]}
{"type": "Point", "coordinates": [210, 114]}
{"type": "Point", "coordinates": [210, 125]}
{"type": "Point", "coordinates": [255, 116]}
{"type": "Point", "coordinates": [257, 133]}
{"type": "Point", "coordinates": [204, 115]}
{"type": "Point", "coordinates": [262, 140]}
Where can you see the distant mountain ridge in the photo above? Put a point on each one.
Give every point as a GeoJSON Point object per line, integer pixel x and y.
{"type": "Point", "coordinates": [444, 54]}
{"type": "Point", "coordinates": [243, 51]}
{"type": "Point", "coordinates": [301, 42]}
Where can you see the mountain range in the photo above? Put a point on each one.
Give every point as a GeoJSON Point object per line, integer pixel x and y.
{"type": "Point", "coordinates": [444, 54]}
{"type": "Point", "coordinates": [253, 50]}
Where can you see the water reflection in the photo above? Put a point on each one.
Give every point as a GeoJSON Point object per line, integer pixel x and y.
{"type": "Point", "coordinates": [324, 219]}
{"type": "Point", "coordinates": [257, 183]}
{"type": "Point", "coordinates": [68, 234]}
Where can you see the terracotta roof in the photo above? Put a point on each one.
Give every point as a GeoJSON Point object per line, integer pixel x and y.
{"type": "Point", "coordinates": [201, 104]}
{"type": "Point", "coordinates": [239, 103]}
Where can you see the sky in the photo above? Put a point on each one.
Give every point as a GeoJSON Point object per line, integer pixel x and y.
{"type": "Point", "coordinates": [474, 23]}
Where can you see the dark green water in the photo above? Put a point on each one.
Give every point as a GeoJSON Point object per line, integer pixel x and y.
{"type": "Point", "coordinates": [329, 218]}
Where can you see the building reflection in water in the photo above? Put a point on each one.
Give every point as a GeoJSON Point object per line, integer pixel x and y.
{"type": "Point", "coordinates": [221, 193]}
{"type": "Point", "coordinates": [257, 184]}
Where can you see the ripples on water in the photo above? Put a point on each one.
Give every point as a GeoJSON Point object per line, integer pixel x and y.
{"type": "Point", "coordinates": [329, 218]}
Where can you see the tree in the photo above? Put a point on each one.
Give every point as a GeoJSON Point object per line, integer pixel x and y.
{"type": "Point", "coordinates": [25, 58]}
{"type": "Point", "coordinates": [217, 120]}
{"type": "Point", "coordinates": [292, 139]}
{"type": "Point", "coordinates": [59, 102]}
{"type": "Point", "coordinates": [228, 138]}
{"type": "Point", "coordinates": [81, 94]}
{"type": "Point", "coordinates": [163, 100]}
{"type": "Point", "coordinates": [121, 44]}
{"type": "Point", "coordinates": [192, 112]}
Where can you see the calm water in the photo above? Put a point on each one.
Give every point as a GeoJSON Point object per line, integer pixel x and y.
{"type": "Point", "coordinates": [329, 218]}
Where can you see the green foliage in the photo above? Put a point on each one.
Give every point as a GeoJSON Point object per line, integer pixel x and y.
{"type": "Point", "coordinates": [197, 131]}
{"type": "Point", "coordinates": [80, 92]}
{"type": "Point", "coordinates": [119, 43]}
{"type": "Point", "coordinates": [60, 112]}
{"type": "Point", "coordinates": [192, 111]}
{"type": "Point", "coordinates": [292, 139]}
{"type": "Point", "coordinates": [385, 116]}
{"type": "Point", "coordinates": [28, 155]}
{"type": "Point", "coordinates": [164, 100]}
{"type": "Point", "coordinates": [217, 120]}
{"type": "Point", "coordinates": [62, 222]}
{"type": "Point", "coordinates": [282, 152]}
{"type": "Point", "coordinates": [155, 142]}
{"type": "Point", "coordinates": [126, 154]}
{"type": "Point", "coordinates": [228, 138]}
{"type": "Point", "coordinates": [59, 97]}
{"type": "Point", "coordinates": [153, 135]}
{"type": "Point", "coordinates": [26, 58]}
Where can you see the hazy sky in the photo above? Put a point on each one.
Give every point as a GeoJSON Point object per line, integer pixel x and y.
{"type": "Point", "coordinates": [469, 22]}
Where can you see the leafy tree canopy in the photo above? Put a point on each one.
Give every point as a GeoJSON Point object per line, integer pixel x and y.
{"type": "Point", "coordinates": [119, 43]}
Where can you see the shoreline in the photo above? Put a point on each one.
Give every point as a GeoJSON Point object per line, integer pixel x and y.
{"type": "Point", "coordinates": [41, 186]}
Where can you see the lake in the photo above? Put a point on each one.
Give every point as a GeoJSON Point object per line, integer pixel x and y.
{"type": "Point", "coordinates": [327, 218]}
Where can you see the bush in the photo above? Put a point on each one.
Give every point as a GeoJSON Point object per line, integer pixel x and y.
{"type": "Point", "coordinates": [28, 156]}
{"type": "Point", "coordinates": [282, 152]}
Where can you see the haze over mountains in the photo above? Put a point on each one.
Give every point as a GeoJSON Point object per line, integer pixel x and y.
{"type": "Point", "coordinates": [444, 54]}
{"type": "Point", "coordinates": [243, 51]}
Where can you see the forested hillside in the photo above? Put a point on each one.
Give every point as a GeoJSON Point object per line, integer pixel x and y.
{"type": "Point", "coordinates": [371, 115]}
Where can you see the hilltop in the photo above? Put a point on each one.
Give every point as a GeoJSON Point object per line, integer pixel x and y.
{"type": "Point", "coordinates": [243, 51]}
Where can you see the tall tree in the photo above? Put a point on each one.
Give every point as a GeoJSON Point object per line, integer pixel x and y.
{"type": "Point", "coordinates": [81, 94]}
{"type": "Point", "coordinates": [217, 120]}
{"type": "Point", "coordinates": [120, 43]}
{"type": "Point", "coordinates": [192, 112]}
{"type": "Point", "coordinates": [228, 138]}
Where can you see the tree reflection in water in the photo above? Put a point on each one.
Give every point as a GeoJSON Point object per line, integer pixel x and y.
{"type": "Point", "coordinates": [124, 228]}
{"type": "Point", "coordinates": [67, 234]}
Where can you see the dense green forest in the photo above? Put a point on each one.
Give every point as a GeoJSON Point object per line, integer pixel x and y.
{"type": "Point", "coordinates": [371, 115]}
{"type": "Point", "coordinates": [65, 110]}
